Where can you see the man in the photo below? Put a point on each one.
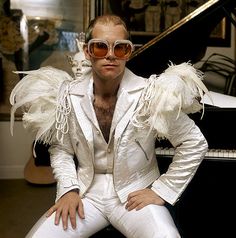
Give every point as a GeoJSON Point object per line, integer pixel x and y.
{"type": "Point", "coordinates": [103, 120]}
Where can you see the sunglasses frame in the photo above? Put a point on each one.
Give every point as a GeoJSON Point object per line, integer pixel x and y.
{"type": "Point", "coordinates": [109, 46]}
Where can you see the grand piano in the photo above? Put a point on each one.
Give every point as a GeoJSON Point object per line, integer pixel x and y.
{"type": "Point", "coordinates": [208, 204]}
{"type": "Point", "coordinates": [187, 40]}
{"type": "Point", "coordinates": [207, 208]}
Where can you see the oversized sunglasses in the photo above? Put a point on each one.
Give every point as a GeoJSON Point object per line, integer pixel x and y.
{"type": "Point", "coordinates": [121, 49]}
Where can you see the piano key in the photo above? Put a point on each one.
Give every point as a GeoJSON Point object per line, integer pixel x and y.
{"type": "Point", "coordinates": [211, 153]}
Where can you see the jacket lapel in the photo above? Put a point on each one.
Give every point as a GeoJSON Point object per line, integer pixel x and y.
{"type": "Point", "coordinates": [124, 112]}
{"type": "Point", "coordinates": [128, 97]}
{"type": "Point", "coordinates": [83, 109]}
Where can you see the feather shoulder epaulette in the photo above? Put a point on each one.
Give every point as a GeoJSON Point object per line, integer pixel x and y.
{"type": "Point", "coordinates": [179, 87]}
{"type": "Point", "coordinates": [42, 94]}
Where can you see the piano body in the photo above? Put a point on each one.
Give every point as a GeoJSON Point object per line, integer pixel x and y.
{"type": "Point", "coordinates": [208, 206]}
{"type": "Point", "coordinates": [184, 41]}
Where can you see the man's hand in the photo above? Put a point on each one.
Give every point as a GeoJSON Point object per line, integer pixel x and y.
{"type": "Point", "coordinates": [141, 198]}
{"type": "Point", "coordinates": [66, 206]}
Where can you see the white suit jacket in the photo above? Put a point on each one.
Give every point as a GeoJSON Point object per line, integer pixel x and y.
{"type": "Point", "coordinates": [135, 162]}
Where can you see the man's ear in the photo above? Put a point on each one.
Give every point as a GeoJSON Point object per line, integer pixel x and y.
{"type": "Point", "coordinates": [86, 53]}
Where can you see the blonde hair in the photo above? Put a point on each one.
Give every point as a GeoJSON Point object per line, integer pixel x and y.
{"type": "Point", "coordinates": [105, 19]}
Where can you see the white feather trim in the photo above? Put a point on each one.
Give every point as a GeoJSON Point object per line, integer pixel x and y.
{"type": "Point", "coordinates": [180, 87]}
{"type": "Point", "coordinates": [42, 94]}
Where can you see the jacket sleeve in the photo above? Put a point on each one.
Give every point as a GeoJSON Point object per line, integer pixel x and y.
{"type": "Point", "coordinates": [63, 165]}
{"type": "Point", "coordinates": [190, 148]}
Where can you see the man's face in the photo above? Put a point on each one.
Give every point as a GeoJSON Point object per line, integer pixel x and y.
{"type": "Point", "coordinates": [109, 67]}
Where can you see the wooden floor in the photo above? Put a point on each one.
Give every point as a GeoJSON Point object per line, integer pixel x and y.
{"type": "Point", "coordinates": [206, 209]}
{"type": "Point", "coordinates": [21, 205]}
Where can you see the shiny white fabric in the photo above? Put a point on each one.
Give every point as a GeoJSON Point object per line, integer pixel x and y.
{"type": "Point", "coordinates": [134, 148]}
{"type": "Point", "coordinates": [60, 112]}
{"type": "Point", "coordinates": [102, 206]}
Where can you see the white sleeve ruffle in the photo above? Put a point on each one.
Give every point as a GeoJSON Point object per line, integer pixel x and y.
{"type": "Point", "coordinates": [180, 87]}
{"type": "Point", "coordinates": [42, 94]}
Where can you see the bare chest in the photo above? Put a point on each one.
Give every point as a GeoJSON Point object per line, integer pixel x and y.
{"type": "Point", "coordinates": [104, 111]}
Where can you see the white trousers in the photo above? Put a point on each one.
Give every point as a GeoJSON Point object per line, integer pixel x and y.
{"type": "Point", "coordinates": [102, 207]}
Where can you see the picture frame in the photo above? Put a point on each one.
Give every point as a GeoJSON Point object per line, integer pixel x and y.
{"type": "Point", "coordinates": [221, 35]}
{"type": "Point", "coordinates": [168, 16]}
{"type": "Point", "coordinates": [47, 38]}
{"type": "Point", "coordinates": [133, 14]}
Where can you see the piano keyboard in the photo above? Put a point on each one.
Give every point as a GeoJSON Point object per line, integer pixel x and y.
{"type": "Point", "coordinates": [211, 153]}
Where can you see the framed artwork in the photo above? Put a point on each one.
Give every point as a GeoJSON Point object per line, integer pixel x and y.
{"type": "Point", "coordinates": [221, 35]}
{"type": "Point", "coordinates": [140, 17]}
{"type": "Point", "coordinates": [149, 18]}
{"type": "Point", "coordinates": [35, 34]}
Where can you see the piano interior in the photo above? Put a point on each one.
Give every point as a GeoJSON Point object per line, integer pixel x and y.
{"type": "Point", "coordinates": [207, 207]}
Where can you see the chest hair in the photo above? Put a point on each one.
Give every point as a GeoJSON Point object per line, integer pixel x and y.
{"type": "Point", "coordinates": [104, 110]}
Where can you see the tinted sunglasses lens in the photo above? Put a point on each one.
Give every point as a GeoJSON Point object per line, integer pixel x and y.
{"type": "Point", "coordinates": [122, 50]}
{"type": "Point", "coordinates": [98, 49]}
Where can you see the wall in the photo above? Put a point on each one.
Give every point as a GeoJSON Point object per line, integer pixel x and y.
{"type": "Point", "coordinates": [229, 51]}
{"type": "Point", "coordinates": [15, 150]}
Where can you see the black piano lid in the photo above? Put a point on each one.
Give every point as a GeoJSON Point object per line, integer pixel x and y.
{"type": "Point", "coordinates": [218, 126]}
{"type": "Point", "coordinates": [184, 41]}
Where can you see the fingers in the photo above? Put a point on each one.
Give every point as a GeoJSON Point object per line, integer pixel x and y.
{"type": "Point", "coordinates": [81, 211]}
{"type": "Point", "coordinates": [57, 215]}
{"type": "Point", "coordinates": [64, 218]}
{"type": "Point", "coordinates": [63, 215]}
{"type": "Point", "coordinates": [133, 194]}
{"type": "Point", "coordinates": [66, 209]}
{"type": "Point", "coordinates": [135, 200]}
{"type": "Point", "coordinates": [50, 211]}
{"type": "Point", "coordinates": [72, 214]}
{"type": "Point", "coordinates": [141, 198]}
{"type": "Point", "coordinates": [133, 203]}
